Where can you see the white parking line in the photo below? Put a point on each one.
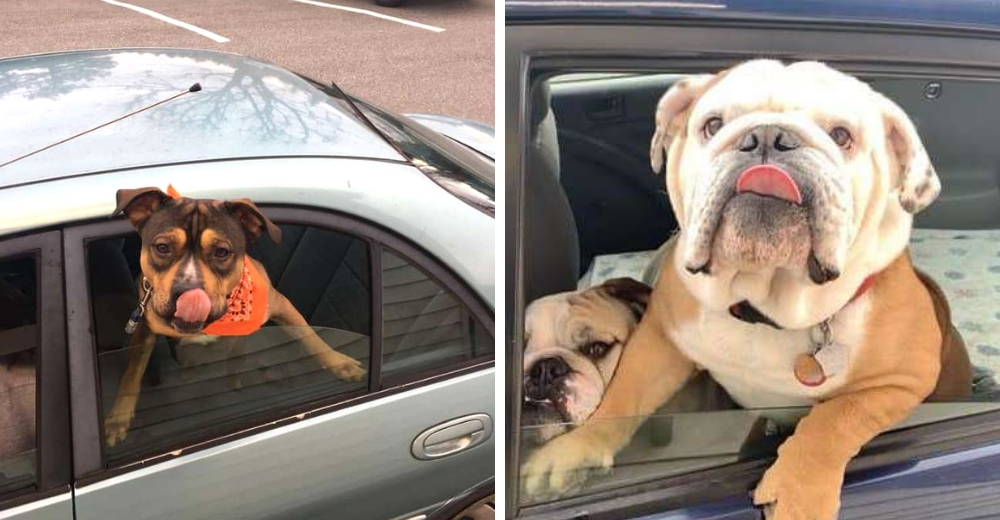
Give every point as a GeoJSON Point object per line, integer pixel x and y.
{"type": "Point", "coordinates": [208, 34]}
{"type": "Point", "coordinates": [369, 13]}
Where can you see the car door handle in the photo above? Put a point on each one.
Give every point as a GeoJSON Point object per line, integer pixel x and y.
{"type": "Point", "coordinates": [451, 437]}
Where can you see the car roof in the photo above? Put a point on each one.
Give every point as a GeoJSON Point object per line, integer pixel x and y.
{"type": "Point", "coordinates": [246, 108]}
{"type": "Point", "coordinates": [979, 15]}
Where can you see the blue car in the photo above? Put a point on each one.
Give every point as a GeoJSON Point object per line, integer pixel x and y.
{"type": "Point", "coordinates": [582, 82]}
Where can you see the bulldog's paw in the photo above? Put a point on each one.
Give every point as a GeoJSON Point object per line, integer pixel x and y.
{"type": "Point", "coordinates": [563, 465]}
{"type": "Point", "coordinates": [793, 489]}
{"type": "Point", "coordinates": [117, 424]}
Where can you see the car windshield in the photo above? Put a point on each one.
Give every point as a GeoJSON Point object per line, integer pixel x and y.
{"type": "Point", "coordinates": [245, 108]}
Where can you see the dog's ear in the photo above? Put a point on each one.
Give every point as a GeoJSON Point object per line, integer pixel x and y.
{"type": "Point", "coordinates": [253, 220]}
{"type": "Point", "coordinates": [913, 174]}
{"type": "Point", "coordinates": [139, 204]}
{"type": "Point", "coordinates": [635, 294]}
{"type": "Point", "coordinates": [672, 113]}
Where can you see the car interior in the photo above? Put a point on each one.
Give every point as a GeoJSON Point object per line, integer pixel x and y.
{"type": "Point", "coordinates": [600, 212]}
{"type": "Point", "coordinates": [326, 275]}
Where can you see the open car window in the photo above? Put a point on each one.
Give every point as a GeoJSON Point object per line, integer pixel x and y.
{"type": "Point", "coordinates": [384, 310]}
{"type": "Point", "coordinates": [600, 125]}
{"type": "Point", "coordinates": [191, 389]}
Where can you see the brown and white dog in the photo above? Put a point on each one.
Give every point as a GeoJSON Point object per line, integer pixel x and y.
{"type": "Point", "coordinates": [795, 188]}
{"type": "Point", "coordinates": [198, 285]}
{"type": "Point", "coordinates": [573, 341]}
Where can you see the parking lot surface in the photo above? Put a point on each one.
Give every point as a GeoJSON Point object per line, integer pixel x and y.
{"type": "Point", "coordinates": [427, 56]}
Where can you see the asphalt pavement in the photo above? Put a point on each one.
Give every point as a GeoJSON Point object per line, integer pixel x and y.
{"type": "Point", "coordinates": [428, 56]}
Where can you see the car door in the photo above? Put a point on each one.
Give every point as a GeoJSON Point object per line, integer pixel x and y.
{"type": "Point", "coordinates": [34, 409]}
{"type": "Point", "coordinates": [289, 441]}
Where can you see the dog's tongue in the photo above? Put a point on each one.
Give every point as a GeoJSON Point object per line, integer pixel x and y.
{"type": "Point", "coordinates": [193, 306]}
{"type": "Point", "coordinates": [769, 180]}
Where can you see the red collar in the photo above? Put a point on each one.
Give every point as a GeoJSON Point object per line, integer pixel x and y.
{"type": "Point", "coordinates": [247, 310]}
{"type": "Point", "coordinates": [863, 288]}
{"type": "Point", "coordinates": [745, 311]}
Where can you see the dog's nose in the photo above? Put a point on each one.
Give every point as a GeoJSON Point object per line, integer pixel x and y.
{"type": "Point", "coordinates": [767, 138]}
{"type": "Point", "coordinates": [544, 377]}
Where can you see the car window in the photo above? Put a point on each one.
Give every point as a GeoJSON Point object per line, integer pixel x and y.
{"type": "Point", "coordinates": [622, 216]}
{"type": "Point", "coordinates": [191, 389]}
{"type": "Point", "coordinates": [199, 390]}
{"type": "Point", "coordinates": [19, 341]}
{"type": "Point", "coordinates": [424, 325]}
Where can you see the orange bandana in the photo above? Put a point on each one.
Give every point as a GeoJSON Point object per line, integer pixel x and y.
{"type": "Point", "coordinates": [243, 316]}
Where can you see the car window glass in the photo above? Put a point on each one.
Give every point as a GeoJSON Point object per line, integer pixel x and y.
{"type": "Point", "coordinates": [676, 443]}
{"type": "Point", "coordinates": [424, 325]}
{"type": "Point", "coordinates": [196, 389]}
{"type": "Point", "coordinates": [19, 337]}
{"type": "Point", "coordinates": [622, 216]}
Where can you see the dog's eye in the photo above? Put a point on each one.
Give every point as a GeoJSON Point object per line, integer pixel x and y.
{"type": "Point", "coordinates": [163, 249]}
{"type": "Point", "coordinates": [841, 136]}
{"type": "Point", "coordinates": [595, 350]}
{"type": "Point", "coordinates": [221, 253]}
{"type": "Point", "coordinates": [712, 126]}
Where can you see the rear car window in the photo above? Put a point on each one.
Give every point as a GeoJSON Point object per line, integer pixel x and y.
{"type": "Point", "coordinates": [19, 339]}
{"type": "Point", "coordinates": [424, 324]}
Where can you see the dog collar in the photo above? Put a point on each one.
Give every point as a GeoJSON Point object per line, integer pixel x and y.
{"type": "Point", "coordinates": [746, 312]}
{"type": "Point", "coordinates": [247, 310]}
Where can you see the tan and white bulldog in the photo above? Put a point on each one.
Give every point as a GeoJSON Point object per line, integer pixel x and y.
{"type": "Point", "coordinates": [795, 188]}
{"type": "Point", "coordinates": [573, 341]}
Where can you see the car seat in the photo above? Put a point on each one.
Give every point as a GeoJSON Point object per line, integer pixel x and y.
{"type": "Point", "coordinates": [550, 246]}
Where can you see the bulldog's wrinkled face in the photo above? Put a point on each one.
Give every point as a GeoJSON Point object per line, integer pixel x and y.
{"type": "Point", "coordinates": [573, 342]}
{"type": "Point", "coordinates": [775, 166]}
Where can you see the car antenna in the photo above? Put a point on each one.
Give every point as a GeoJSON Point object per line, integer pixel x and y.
{"type": "Point", "coordinates": [193, 88]}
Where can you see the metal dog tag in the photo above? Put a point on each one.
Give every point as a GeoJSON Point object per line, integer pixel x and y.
{"type": "Point", "coordinates": [133, 321]}
{"type": "Point", "coordinates": [830, 355]}
{"type": "Point", "coordinates": [136, 317]}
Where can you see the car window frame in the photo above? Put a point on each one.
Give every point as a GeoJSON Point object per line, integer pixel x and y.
{"type": "Point", "coordinates": [89, 465]}
{"type": "Point", "coordinates": [53, 465]}
{"type": "Point", "coordinates": [532, 53]}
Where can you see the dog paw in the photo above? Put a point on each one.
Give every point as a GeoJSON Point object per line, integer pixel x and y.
{"type": "Point", "coordinates": [116, 427]}
{"type": "Point", "coordinates": [795, 489]}
{"type": "Point", "coordinates": [349, 371]}
{"type": "Point", "coordinates": [342, 367]}
{"type": "Point", "coordinates": [563, 465]}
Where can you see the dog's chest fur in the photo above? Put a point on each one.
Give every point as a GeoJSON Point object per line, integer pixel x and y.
{"type": "Point", "coordinates": [755, 362]}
